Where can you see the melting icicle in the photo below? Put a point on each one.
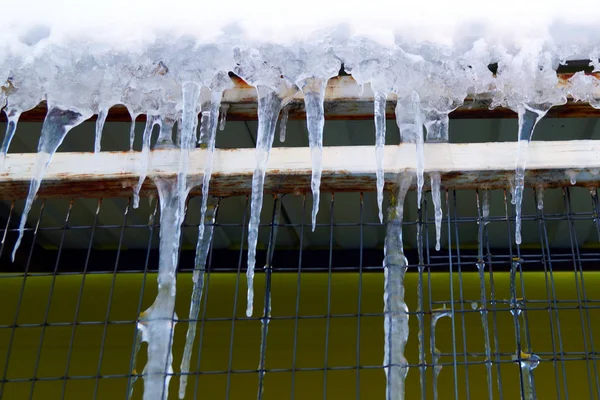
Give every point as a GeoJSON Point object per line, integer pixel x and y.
{"type": "Point", "coordinates": [528, 118]}
{"type": "Point", "coordinates": [283, 123]}
{"type": "Point", "coordinates": [380, 103]}
{"type": "Point", "coordinates": [435, 353]}
{"type": "Point", "coordinates": [409, 118]}
{"type": "Point", "coordinates": [539, 192]}
{"type": "Point", "coordinates": [12, 117]}
{"type": "Point", "coordinates": [395, 309]}
{"type": "Point", "coordinates": [270, 103]}
{"type": "Point", "coordinates": [314, 96]}
{"type": "Point", "coordinates": [57, 124]}
{"type": "Point", "coordinates": [437, 123]}
{"type": "Point", "coordinates": [151, 120]}
{"type": "Point", "coordinates": [485, 206]}
{"type": "Point", "coordinates": [223, 116]}
{"type": "Point", "coordinates": [102, 114]}
{"type": "Point", "coordinates": [202, 249]}
{"type": "Point", "coordinates": [436, 180]}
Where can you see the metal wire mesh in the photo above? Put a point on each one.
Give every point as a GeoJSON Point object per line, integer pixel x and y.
{"type": "Point", "coordinates": [71, 299]}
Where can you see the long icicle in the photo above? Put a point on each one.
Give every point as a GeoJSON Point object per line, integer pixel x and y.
{"type": "Point", "coordinates": [379, 115]}
{"type": "Point", "coordinates": [314, 96]}
{"type": "Point", "coordinates": [151, 120]}
{"type": "Point", "coordinates": [528, 119]}
{"type": "Point", "coordinates": [12, 117]}
{"type": "Point", "coordinates": [211, 120]}
{"type": "Point", "coordinates": [436, 180]}
{"type": "Point", "coordinates": [270, 102]}
{"type": "Point", "coordinates": [102, 114]}
{"type": "Point", "coordinates": [57, 124]}
{"type": "Point", "coordinates": [395, 309]}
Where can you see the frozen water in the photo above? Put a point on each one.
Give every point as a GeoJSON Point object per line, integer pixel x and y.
{"type": "Point", "coordinates": [436, 180]}
{"type": "Point", "coordinates": [57, 124]}
{"type": "Point", "coordinates": [223, 116]}
{"type": "Point", "coordinates": [151, 120]}
{"type": "Point", "coordinates": [379, 115]}
{"type": "Point", "coordinates": [539, 193]}
{"type": "Point", "coordinates": [283, 123]}
{"type": "Point", "coordinates": [12, 117]}
{"type": "Point", "coordinates": [395, 309]}
{"type": "Point", "coordinates": [102, 114]}
{"type": "Point", "coordinates": [572, 174]}
{"type": "Point", "coordinates": [435, 353]}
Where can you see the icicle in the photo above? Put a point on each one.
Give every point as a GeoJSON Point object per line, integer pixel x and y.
{"type": "Point", "coordinates": [134, 116]}
{"type": "Point", "coordinates": [57, 124]}
{"type": "Point", "coordinates": [437, 123]}
{"type": "Point", "coordinates": [137, 344]}
{"type": "Point", "coordinates": [380, 103]}
{"type": "Point", "coordinates": [539, 192]}
{"type": "Point", "coordinates": [205, 118]}
{"type": "Point", "coordinates": [283, 123]}
{"type": "Point", "coordinates": [435, 353]}
{"type": "Point", "coordinates": [102, 114]}
{"type": "Point", "coordinates": [485, 212]}
{"type": "Point", "coordinates": [12, 117]}
{"type": "Point", "coordinates": [314, 96]}
{"type": "Point", "coordinates": [223, 116]}
{"type": "Point", "coordinates": [436, 180]}
{"type": "Point", "coordinates": [157, 323]}
{"type": "Point", "coordinates": [266, 318]}
{"type": "Point", "coordinates": [395, 309]}
{"type": "Point", "coordinates": [202, 249]}
{"type": "Point", "coordinates": [410, 122]}
{"type": "Point", "coordinates": [151, 120]}
{"type": "Point", "coordinates": [165, 135]}
{"type": "Point", "coordinates": [528, 118]}
{"type": "Point", "coordinates": [527, 361]}
{"type": "Point", "coordinates": [270, 103]}
{"type": "Point", "coordinates": [203, 242]}
{"type": "Point", "coordinates": [572, 174]}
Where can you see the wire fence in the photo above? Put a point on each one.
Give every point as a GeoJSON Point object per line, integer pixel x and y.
{"type": "Point", "coordinates": [488, 318]}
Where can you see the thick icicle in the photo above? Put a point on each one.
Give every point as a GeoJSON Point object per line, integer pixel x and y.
{"type": "Point", "coordinates": [436, 180]}
{"type": "Point", "coordinates": [202, 249]}
{"type": "Point", "coordinates": [151, 120]}
{"type": "Point", "coordinates": [132, 129]}
{"type": "Point", "coordinates": [409, 118]}
{"type": "Point", "coordinates": [57, 124]}
{"type": "Point", "coordinates": [223, 116]}
{"type": "Point", "coordinates": [435, 353]}
{"type": "Point", "coordinates": [395, 309]}
{"type": "Point", "coordinates": [12, 116]}
{"type": "Point", "coordinates": [102, 114]}
{"type": "Point", "coordinates": [157, 323]}
{"type": "Point", "coordinates": [314, 96]}
{"type": "Point", "coordinates": [379, 112]}
{"type": "Point", "coordinates": [528, 118]}
{"type": "Point", "coordinates": [270, 102]}
{"type": "Point", "coordinates": [283, 123]}
{"type": "Point", "coordinates": [165, 135]}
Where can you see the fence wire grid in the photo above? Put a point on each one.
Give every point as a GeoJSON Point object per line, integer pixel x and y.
{"type": "Point", "coordinates": [87, 268]}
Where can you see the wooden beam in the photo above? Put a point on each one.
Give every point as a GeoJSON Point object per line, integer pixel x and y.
{"type": "Point", "coordinates": [343, 101]}
{"type": "Point", "coordinates": [483, 165]}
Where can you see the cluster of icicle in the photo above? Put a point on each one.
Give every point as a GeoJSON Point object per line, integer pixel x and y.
{"type": "Point", "coordinates": [173, 81]}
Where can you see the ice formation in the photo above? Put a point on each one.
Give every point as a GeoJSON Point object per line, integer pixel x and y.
{"type": "Point", "coordinates": [436, 179]}
{"type": "Point", "coordinates": [79, 67]}
{"type": "Point", "coordinates": [435, 353]}
{"type": "Point", "coordinates": [395, 309]}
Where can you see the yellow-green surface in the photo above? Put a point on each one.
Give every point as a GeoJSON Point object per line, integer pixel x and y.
{"type": "Point", "coordinates": [310, 349]}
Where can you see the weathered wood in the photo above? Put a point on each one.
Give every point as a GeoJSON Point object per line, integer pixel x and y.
{"type": "Point", "coordinates": [343, 101]}
{"type": "Point", "coordinates": [470, 165]}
